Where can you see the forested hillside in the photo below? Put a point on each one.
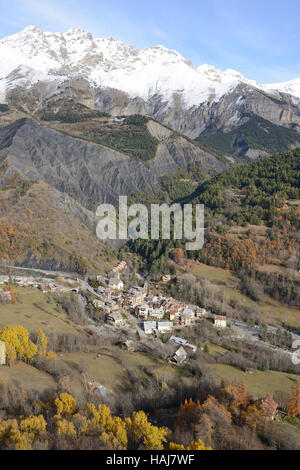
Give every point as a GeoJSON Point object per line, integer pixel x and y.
{"type": "Point", "coordinates": [251, 226]}
{"type": "Point", "coordinates": [255, 133]}
{"type": "Point", "coordinates": [258, 189]}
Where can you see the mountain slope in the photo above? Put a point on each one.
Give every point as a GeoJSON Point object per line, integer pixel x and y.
{"type": "Point", "coordinates": [251, 138]}
{"type": "Point", "coordinates": [251, 227]}
{"type": "Point", "coordinates": [53, 178]}
{"type": "Point", "coordinates": [44, 228]}
{"type": "Point", "coordinates": [85, 171]}
{"type": "Point", "coordinates": [90, 173]}
{"type": "Point", "coordinates": [254, 193]}
{"type": "Point", "coordinates": [292, 87]}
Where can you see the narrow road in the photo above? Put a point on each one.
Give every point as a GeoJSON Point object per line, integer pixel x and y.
{"type": "Point", "coordinates": [42, 271]}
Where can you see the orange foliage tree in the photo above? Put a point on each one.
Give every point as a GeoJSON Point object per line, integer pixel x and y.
{"type": "Point", "coordinates": [294, 403]}
{"type": "Point", "coordinates": [10, 289]}
{"type": "Point", "coordinates": [239, 396]}
{"type": "Point", "coordinates": [188, 414]}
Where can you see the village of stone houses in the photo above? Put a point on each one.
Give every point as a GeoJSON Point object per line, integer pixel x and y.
{"type": "Point", "coordinates": [126, 341]}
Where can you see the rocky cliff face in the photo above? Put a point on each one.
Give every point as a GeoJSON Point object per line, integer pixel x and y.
{"type": "Point", "coordinates": [85, 171]}
{"type": "Point", "coordinates": [227, 112]}
{"type": "Point", "coordinates": [90, 173]}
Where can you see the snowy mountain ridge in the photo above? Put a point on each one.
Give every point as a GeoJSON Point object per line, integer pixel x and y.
{"type": "Point", "coordinates": [33, 55]}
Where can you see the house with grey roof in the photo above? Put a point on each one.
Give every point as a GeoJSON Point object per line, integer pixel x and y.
{"type": "Point", "coordinates": [100, 390]}
{"type": "Point", "coordinates": [114, 318]}
{"type": "Point", "coordinates": [179, 341]}
{"type": "Point", "coordinates": [149, 327]}
{"type": "Point", "coordinates": [115, 283]}
{"type": "Point", "coordinates": [157, 313]}
{"type": "Point", "coordinates": [180, 356]}
{"type": "Point", "coordinates": [164, 327]}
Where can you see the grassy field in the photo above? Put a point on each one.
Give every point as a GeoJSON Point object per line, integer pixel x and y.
{"type": "Point", "coordinates": [236, 294]}
{"type": "Point", "coordinates": [270, 311]}
{"type": "Point", "coordinates": [105, 365]}
{"type": "Point", "coordinates": [258, 384]}
{"type": "Point", "coordinates": [33, 312]}
{"type": "Point", "coordinates": [215, 349]}
{"type": "Point", "coordinates": [27, 377]}
{"type": "Point", "coordinates": [211, 273]}
{"type": "Point", "coordinates": [158, 367]}
{"type": "Point", "coordinates": [104, 369]}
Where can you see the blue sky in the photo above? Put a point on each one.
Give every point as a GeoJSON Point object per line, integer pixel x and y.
{"type": "Point", "coordinates": [259, 38]}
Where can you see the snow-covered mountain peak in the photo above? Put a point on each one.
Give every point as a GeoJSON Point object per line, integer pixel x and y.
{"type": "Point", "coordinates": [292, 87]}
{"type": "Point", "coordinates": [110, 63]}
{"type": "Point", "coordinates": [76, 32]}
{"type": "Point", "coordinates": [31, 29]}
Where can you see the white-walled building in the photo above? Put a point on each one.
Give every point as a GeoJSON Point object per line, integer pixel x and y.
{"type": "Point", "coordinates": [142, 311]}
{"type": "Point", "coordinates": [164, 327]}
{"type": "Point", "coordinates": [220, 321]}
{"type": "Point", "coordinates": [157, 313]}
{"type": "Point", "coordinates": [187, 317]}
{"type": "Point", "coordinates": [115, 283]}
{"type": "Point", "coordinates": [114, 318]}
{"type": "Point", "coordinates": [149, 327]}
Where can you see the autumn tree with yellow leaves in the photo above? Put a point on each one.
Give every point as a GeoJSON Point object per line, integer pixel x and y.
{"type": "Point", "coordinates": [143, 434]}
{"type": "Point", "coordinates": [21, 433]}
{"type": "Point", "coordinates": [68, 425]}
{"type": "Point", "coordinates": [195, 445]}
{"type": "Point", "coordinates": [114, 431]}
{"type": "Point", "coordinates": [65, 405]}
{"type": "Point", "coordinates": [42, 343]}
{"type": "Point", "coordinates": [135, 432]}
{"type": "Point", "coordinates": [18, 344]}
